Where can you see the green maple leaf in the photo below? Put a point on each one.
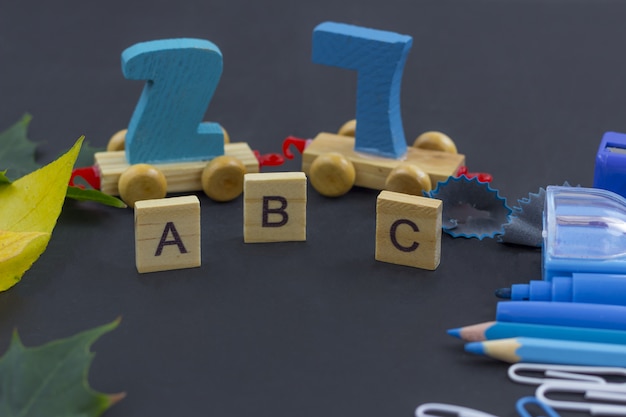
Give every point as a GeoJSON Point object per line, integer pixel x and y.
{"type": "Point", "coordinates": [17, 157]}
{"type": "Point", "coordinates": [85, 157]}
{"type": "Point", "coordinates": [3, 178]}
{"type": "Point", "coordinates": [17, 152]}
{"type": "Point", "coordinates": [51, 380]}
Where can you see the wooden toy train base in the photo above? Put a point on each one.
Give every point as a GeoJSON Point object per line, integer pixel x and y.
{"type": "Point", "coordinates": [373, 171]}
{"type": "Point", "coordinates": [181, 176]}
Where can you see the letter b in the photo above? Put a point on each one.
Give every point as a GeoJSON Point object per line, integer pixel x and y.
{"type": "Point", "coordinates": [280, 211]}
{"type": "Point", "coordinates": [274, 207]}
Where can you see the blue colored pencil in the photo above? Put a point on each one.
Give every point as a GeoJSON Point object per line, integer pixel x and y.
{"type": "Point", "coordinates": [493, 330]}
{"type": "Point", "coordinates": [565, 352]}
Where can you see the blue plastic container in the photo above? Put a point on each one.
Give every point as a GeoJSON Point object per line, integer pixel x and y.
{"type": "Point", "coordinates": [584, 231]}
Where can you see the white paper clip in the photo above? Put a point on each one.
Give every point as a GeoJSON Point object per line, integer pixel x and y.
{"type": "Point", "coordinates": [440, 409]}
{"type": "Point", "coordinates": [562, 373]}
{"type": "Point", "coordinates": [590, 391]}
{"type": "Point", "coordinates": [522, 403]}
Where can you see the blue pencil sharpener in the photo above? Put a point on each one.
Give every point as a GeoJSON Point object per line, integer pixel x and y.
{"type": "Point", "coordinates": [610, 169]}
{"type": "Point", "coordinates": [584, 230]}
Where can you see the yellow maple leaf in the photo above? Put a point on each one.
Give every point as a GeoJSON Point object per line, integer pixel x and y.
{"type": "Point", "coordinates": [29, 208]}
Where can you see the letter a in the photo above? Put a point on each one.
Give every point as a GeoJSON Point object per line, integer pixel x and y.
{"type": "Point", "coordinates": [169, 227]}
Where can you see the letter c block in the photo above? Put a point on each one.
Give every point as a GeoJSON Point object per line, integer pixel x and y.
{"type": "Point", "coordinates": [408, 230]}
{"type": "Point", "coordinates": [167, 234]}
{"type": "Point", "coordinates": [274, 207]}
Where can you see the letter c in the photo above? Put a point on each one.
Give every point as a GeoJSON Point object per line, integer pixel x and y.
{"type": "Point", "coordinates": [392, 235]}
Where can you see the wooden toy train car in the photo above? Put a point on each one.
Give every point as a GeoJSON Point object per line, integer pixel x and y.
{"type": "Point", "coordinates": [221, 178]}
{"type": "Point", "coordinates": [373, 152]}
{"type": "Point", "coordinates": [334, 166]}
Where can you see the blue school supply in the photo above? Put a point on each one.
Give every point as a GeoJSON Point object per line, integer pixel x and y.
{"type": "Point", "coordinates": [580, 287]}
{"type": "Point", "coordinates": [584, 231]}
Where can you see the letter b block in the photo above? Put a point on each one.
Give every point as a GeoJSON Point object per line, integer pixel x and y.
{"type": "Point", "coordinates": [167, 234]}
{"type": "Point", "coordinates": [408, 230]}
{"type": "Point", "coordinates": [274, 207]}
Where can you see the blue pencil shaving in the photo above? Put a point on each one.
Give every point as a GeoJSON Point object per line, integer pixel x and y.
{"type": "Point", "coordinates": [526, 221]}
{"type": "Point", "coordinates": [471, 208]}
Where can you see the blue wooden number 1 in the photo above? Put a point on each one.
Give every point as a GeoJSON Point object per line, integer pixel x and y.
{"type": "Point", "coordinates": [181, 75]}
{"type": "Point", "coordinates": [378, 57]}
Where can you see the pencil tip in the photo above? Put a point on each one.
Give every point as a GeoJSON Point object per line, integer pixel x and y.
{"type": "Point", "coordinates": [475, 348]}
{"type": "Point", "coordinates": [503, 293]}
{"type": "Point", "coordinates": [455, 332]}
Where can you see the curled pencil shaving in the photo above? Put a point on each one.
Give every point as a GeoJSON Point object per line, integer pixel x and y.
{"type": "Point", "coordinates": [526, 223]}
{"type": "Point", "coordinates": [471, 208]}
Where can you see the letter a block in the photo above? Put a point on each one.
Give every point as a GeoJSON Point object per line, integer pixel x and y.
{"type": "Point", "coordinates": [408, 230]}
{"type": "Point", "coordinates": [274, 207]}
{"type": "Point", "coordinates": [167, 234]}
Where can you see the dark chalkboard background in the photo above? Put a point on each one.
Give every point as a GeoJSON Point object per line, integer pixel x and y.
{"type": "Point", "coordinates": [526, 89]}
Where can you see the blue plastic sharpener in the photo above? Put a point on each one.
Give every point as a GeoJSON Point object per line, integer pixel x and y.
{"type": "Point", "coordinates": [584, 230]}
{"type": "Point", "coordinates": [610, 170]}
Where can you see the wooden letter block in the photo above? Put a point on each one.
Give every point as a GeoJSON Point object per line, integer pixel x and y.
{"type": "Point", "coordinates": [408, 230]}
{"type": "Point", "coordinates": [274, 207]}
{"type": "Point", "coordinates": [167, 234]}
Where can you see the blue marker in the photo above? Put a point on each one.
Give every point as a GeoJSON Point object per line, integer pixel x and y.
{"type": "Point", "coordinates": [598, 316]}
{"type": "Point", "coordinates": [580, 288]}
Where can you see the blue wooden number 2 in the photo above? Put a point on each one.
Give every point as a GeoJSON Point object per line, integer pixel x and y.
{"type": "Point", "coordinates": [181, 75]}
{"type": "Point", "coordinates": [378, 57]}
